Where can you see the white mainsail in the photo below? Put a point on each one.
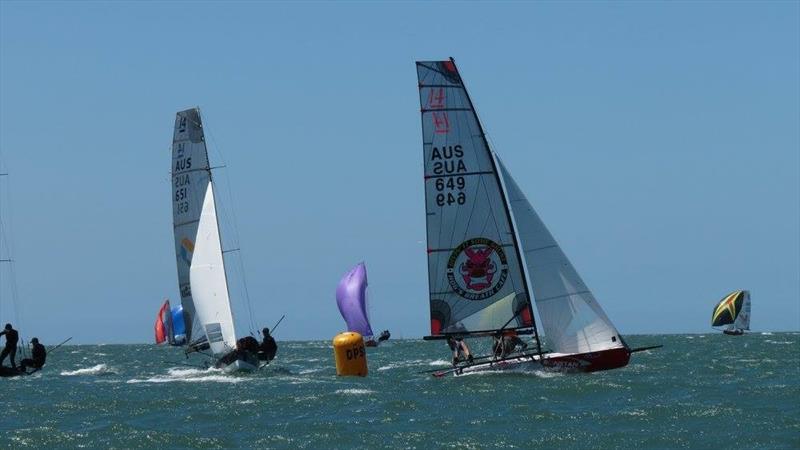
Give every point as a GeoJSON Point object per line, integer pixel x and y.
{"type": "Point", "coordinates": [476, 280]}
{"type": "Point", "coordinates": [209, 283]}
{"type": "Point", "coordinates": [190, 177]}
{"type": "Point", "coordinates": [742, 321]}
{"type": "Point", "coordinates": [572, 319]}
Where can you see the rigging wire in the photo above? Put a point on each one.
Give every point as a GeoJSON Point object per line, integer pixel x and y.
{"type": "Point", "coordinates": [6, 258]}
{"type": "Point", "coordinates": [229, 218]}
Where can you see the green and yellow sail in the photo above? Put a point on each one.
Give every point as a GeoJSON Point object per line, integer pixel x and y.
{"type": "Point", "coordinates": [728, 309]}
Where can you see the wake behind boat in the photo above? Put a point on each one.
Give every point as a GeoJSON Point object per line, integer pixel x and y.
{"type": "Point", "coordinates": [488, 250]}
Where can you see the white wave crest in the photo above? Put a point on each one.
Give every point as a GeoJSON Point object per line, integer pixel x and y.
{"type": "Point", "coordinates": [100, 369]}
{"type": "Point", "coordinates": [439, 362]}
{"type": "Point", "coordinates": [190, 376]}
{"type": "Point", "coordinates": [354, 391]}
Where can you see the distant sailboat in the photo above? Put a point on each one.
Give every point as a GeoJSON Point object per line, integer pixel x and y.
{"type": "Point", "coordinates": [734, 311]}
{"type": "Point", "coordinates": [351, 297]}
{"type": "Point", "coordinates": [489, 252]}
{"type": "Point", "coordinates": [201, 269]}
{"type": "Point", "coordinates": [169, 326]}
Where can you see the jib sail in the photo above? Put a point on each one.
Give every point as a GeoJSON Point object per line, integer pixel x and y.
{"type": "Point", "coordinates": [209, 283]}
{"type": "Point", "coordinates": [475, 272]}
{"type": "Point", "coordinates": [572, 320]}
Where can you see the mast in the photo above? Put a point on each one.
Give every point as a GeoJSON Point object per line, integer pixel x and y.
{"type": "Point", "coordinates": [509, 215]}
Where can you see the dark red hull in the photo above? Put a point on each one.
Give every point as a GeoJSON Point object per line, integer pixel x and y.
{"type": "Point", "coordinates": [578, 362]}
{"type": "Point", "coordinates": [589, 362]}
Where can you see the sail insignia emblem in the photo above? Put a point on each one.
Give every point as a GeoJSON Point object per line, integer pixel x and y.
{"type": "Point", "coordinates": [187, 248]}
{"type": "Point", "coordinates": [477, 269]}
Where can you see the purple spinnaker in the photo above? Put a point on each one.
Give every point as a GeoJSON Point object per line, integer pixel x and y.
{"type": "Point", "coordinates": [351, 296]}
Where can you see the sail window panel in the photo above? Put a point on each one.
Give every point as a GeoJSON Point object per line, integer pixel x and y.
{"type": "Point", "coordinates": [214, 332]}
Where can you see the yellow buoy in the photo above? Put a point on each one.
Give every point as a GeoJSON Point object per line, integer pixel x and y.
{"type": "Point", "coordinates": [350, 355]}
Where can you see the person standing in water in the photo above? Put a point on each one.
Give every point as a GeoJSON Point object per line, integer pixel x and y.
{"type": "Point", "coordinates": [268, 347]}
{"type": "Point", "coordinates": [12, 338]}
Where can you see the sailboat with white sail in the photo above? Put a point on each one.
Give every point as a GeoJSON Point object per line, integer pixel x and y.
{"type": "Point", "coordinates": [203, 282]}
{"type": "Point", "coordinates": [489, 253]}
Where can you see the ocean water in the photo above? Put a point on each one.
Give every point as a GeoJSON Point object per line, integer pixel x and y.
{"type": "Point", "coordinates": [699, 391]}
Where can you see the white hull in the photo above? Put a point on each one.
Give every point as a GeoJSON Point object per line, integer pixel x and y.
{"type": "Point", "coordinates": [240, 366]}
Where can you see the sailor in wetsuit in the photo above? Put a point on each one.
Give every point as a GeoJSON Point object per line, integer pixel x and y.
{"type": "Point", "coordinates": [246, 349]}
{"type": "Point", "coordinates": [268, 347]}
{"type": "Point", "coordinates": [506, 344]}
{"type": "Point", "coordinates": [12, 337]}
{"type": "Point", "coordinates": [460, 350]}
{"type": "Point", "coordinates": [39, 356]}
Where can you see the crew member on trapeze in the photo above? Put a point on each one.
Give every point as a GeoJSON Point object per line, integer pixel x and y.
{"type": "Point", "coordinates": [460, 350]}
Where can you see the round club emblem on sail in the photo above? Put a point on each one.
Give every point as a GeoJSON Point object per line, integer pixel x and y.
{"type": "Point", "coordinates": [477, 269]}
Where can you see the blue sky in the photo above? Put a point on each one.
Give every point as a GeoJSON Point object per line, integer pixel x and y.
{"type": "Point", "coordinates": [658, 141]}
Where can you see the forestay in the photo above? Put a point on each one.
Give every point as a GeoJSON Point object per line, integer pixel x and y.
{"type": "Point", "coordinates": [190, 177]}
{"type": "Point", "coordinates": [474, 271]}
{"type": "Point", "coordinates": [572, 319]}
{"type": "Point", "coordinates": [209, 283]}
